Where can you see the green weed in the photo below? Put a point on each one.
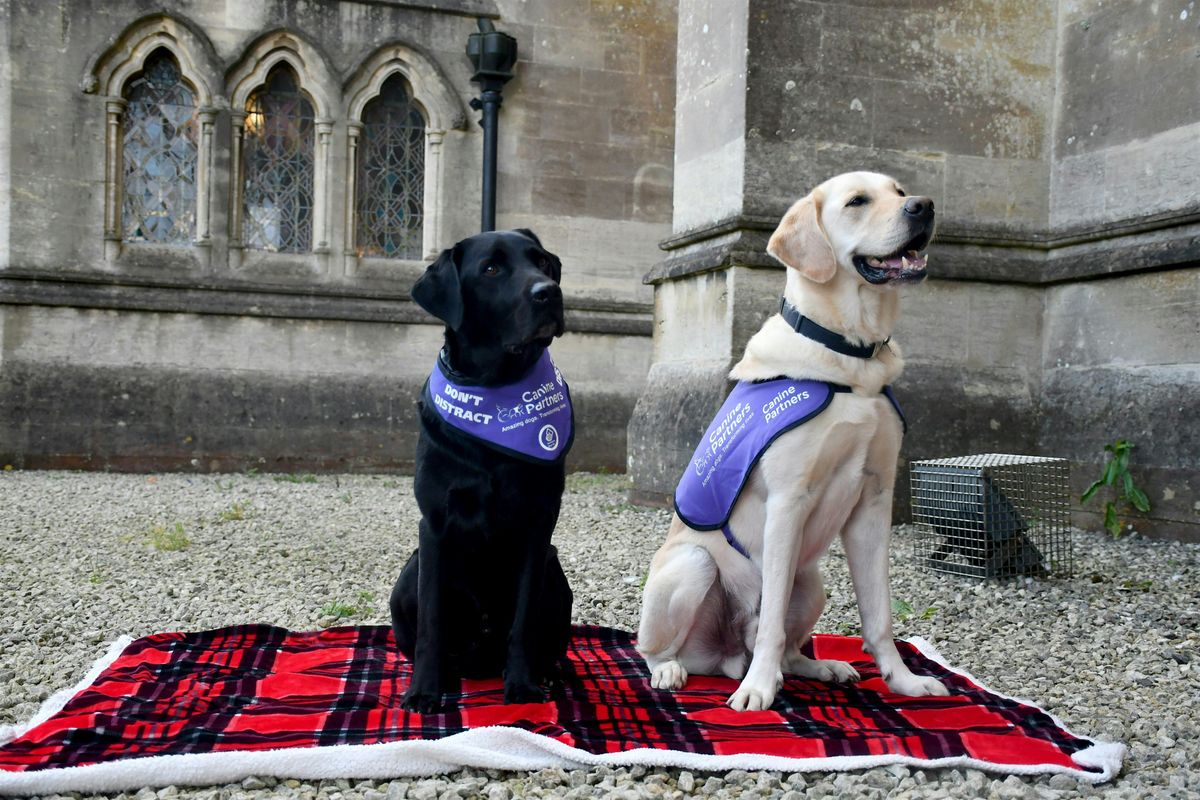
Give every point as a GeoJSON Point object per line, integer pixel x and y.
{"type": "Point", "coordinates": [904, 611]}
{"type": "Point", "coordinates": [237, 511]}
{"type": "Point", "coordinates": [293, 477]}
{"type": "Point", "coordinates": [1134, 585]}
{"type": "Point", "coordinates": [337, 611]}
{"type": "Point", "coordinates": [168, 538]}
{"type": "Point", "coordinates": [1123, 494]}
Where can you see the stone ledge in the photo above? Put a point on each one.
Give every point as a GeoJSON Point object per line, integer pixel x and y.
{"type": "Point", "coordinates": [465, 8]}
{"type": "Point", "coordinates": [141, 419]}
{"type": "Point", "coordinates": [241, 298]}
{"type": "Point", "coordinates": [969, 253]}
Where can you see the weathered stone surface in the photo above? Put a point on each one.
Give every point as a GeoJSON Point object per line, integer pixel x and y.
{"type": "Point", "coordinates": [1127, 322]}
{"type": "Point", "coordinates": [1128, 72]}
{"type": "Point", "coordinates": [667, 422]}
{"type": "Point", "coordinates": [710, 111]}
{"type": "Point", "coordinates": [108, 389]}
{"type": "Point", "coordinates": [161, 419]}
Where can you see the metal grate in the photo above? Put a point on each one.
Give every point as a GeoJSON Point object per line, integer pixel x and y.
{"type": "Point", "coordinates": [993, 515]}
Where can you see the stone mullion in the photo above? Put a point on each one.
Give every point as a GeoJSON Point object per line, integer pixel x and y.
{"type": "Point", "coordinates": [353, 132]}
{"type": "Point", "coordinates": [204, 175]}
{"type": "Point", "coordinates": [114, 154]}
{"type": "Point", "coordinates": [432, 223]}
{"type": "Point", "coordinates": [321, 186]}
{"type": "Point", "coordinates": [236, 187]}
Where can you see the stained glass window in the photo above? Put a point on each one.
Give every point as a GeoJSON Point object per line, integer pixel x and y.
{"type": "Point", "coordinates": [278, 166]}
{"type": "Point", "coordinates": [160, 154]}
{"type": "Point", "coordinates": [391, 175]}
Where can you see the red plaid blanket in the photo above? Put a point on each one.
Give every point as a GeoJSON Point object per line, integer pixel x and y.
{"type": "Point", "coordinates": [261, 688]}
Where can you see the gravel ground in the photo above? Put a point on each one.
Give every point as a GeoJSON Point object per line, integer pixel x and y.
{"type": "Point", "coordinates": [1115, 651]}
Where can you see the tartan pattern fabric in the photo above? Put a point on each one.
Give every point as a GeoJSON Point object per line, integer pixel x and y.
{"type": "Point", "coordinates": [257, 687]}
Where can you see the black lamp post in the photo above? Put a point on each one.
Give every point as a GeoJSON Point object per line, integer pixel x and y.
{"type": "Point", "coordinates": [493, 55]}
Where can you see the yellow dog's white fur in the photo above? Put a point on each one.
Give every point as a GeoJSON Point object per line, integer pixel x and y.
{"type": "Point", "coordinates": [709, 610]}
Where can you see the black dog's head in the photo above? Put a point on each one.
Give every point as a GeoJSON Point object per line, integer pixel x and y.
{"type": "Point", "coordinates": [498, 294]}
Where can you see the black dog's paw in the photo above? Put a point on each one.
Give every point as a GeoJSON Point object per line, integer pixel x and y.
{"type": "Point", "coordinates": [523, 692]}
{"type": "Point", "coordinates": [421, 702]}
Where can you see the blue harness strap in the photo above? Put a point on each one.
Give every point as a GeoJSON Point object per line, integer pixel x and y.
{"type": "Point", "coordinates": [733, 542]}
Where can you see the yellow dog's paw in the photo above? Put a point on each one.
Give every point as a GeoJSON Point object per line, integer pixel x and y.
{"type": "Point", "coordinates": [668, 675]}
{"type": "Point", "coordinates": [916, 686]}
{"type": "Point", "coordinates": [754, 695]}
{"type": "Point", "coordinates": [822, 669]}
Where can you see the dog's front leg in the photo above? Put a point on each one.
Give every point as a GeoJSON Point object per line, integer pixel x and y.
{"type": "Point", "coordinates": [867, 538]}
{"type": "Point", "coordinates": [781, 544]}
{"type": "Point", "coordinates": [520, 684]}
{"type": "Point", "coordinates": [424, 693]}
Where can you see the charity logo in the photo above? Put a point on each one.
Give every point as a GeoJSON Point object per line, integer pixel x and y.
{"type": "Point", "coordinates": [505, 414]}
{"type": "Point", "coordinates": [548, 438]}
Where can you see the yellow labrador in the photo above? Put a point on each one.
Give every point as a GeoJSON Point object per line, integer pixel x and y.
{"type": "Point", "coordinates": [743, 605]}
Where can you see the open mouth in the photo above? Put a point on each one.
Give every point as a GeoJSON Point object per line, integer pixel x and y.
{"type": "Point", "coordinates": [906, 265]}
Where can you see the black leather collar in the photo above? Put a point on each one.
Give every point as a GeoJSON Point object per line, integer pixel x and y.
{"type": "Point", "coordinates": [831, 339]}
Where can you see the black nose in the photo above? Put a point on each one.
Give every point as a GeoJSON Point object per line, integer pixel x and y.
{"type": "Point", "coordinates": [919, 207]}
{"type": "Point", "coordinates": [545, 292]}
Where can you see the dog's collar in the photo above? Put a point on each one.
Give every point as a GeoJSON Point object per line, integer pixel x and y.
{"type": "Point", "coordinates": [443, 361]}
{"type": "Point", "coordinates": [822, 335]}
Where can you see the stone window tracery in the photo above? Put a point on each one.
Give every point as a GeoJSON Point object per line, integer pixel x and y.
{"type": "Point", "coordinates": [160, 154]}
{"type": "Point", "coordinates": [391, 175]}
{"type": "Point", "coordinates": [278, 162]}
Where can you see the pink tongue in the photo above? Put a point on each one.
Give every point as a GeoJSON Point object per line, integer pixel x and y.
{"type": "Point", "coordinates": [897, 262]}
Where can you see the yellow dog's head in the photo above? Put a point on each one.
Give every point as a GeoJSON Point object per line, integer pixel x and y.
{"type": "Point", "coordinates": [861, 222]}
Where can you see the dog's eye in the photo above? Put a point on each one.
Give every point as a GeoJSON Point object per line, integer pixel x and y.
{"type": "Point", "coordinates": [491, 269]}
{"type": "Point", "coordinates": [857, 200]}
{"type": "Point", "coordinates": [900, 192]}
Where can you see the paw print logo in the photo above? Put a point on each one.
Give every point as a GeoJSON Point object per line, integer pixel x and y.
{"type": "Point", "coordinates": [548, 438]}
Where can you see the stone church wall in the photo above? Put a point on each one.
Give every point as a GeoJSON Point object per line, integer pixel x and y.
{"type": "Point", "coordinates": [214, 356]}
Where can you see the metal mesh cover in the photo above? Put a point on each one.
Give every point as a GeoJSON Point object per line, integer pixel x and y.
{"type": "Point", "coordinates": [993, 515]}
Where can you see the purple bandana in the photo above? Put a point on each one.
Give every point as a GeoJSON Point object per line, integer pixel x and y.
{"type": "Point", "coordinates": [753, 416]}
{"type": "Point", "coordinates": [530, 418]}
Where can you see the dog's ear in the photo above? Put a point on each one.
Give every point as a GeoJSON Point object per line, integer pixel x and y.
{"type": "Point", "coordinates": [529, 235]}
{"type": "Point", "coordinates": [439, 291]}
{"type": "Point", "coordinates": [800, 242]}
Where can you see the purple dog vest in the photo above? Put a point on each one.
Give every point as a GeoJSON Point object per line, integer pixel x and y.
{"type": "Point", "coordinates": [530, 418]}
{"type": "Point", "coordinates": [754, 415]}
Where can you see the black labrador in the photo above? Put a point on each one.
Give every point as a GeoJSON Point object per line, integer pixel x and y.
{"type": "Point", "coordinates": [484, 593]}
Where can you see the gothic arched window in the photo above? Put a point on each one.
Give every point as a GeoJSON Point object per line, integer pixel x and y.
{"type": "Point", "coordinates": [391, 175]}
{"type": "Point", "coordinates": [277, 165]}
{"type": "Point", "coordinates": [159, 153]}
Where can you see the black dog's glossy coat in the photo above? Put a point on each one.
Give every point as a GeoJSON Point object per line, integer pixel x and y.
{"type": "Point", "coordinates": [484, 593]}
